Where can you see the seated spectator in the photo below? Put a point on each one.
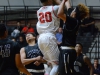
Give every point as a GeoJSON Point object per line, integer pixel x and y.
{"type": "Point", "coordinates": [96, 67]}
{"type": "Point", "coordinates": [59, 36]}
{"type": "Point", "coordinates": [15, 33]}
{"type": "Point", "coordinates": [27, 29]}
{"type": "Point", "coordinates": [88, 26]}
{"type": "Point", "coordinates": [1, 22]}
{"type": "Point", "coordinates": [22, 42]}
{"type": "Point", "coordinates": [19, 27]}
{"type": "Point", "coordinates": [13, 39]}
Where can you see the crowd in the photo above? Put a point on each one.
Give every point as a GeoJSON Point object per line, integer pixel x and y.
{"type": "Point", "coordinates": [52, 49]}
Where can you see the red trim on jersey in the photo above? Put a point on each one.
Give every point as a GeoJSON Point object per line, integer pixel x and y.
{"type": "Point", "coordinates": [54, 12]}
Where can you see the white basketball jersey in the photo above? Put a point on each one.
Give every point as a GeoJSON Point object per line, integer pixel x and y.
{"type": "Point", "coordinates": [47, 19]}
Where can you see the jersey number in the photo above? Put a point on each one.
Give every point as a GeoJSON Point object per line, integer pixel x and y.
{"type": "Point", "coordinates": [45, 17]}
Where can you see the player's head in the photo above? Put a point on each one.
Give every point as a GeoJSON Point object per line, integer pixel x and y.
{"type": "Point", "coordinates": [47, 2]}
{"type": "Point", "coordinates": [3, 31]}
{"type": "Point", "coordinates": [80, 12]}
{"type": "Point", "coordinates": [78, 48]}
{"type": "Point", "coordinates": [18, 23]}
{"type": "Point", "coordinates": [30, 37]}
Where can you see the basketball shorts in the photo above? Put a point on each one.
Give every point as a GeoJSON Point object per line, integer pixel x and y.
{"type": "Point", "coordinates": [48, 45]}
{"type": "Point", "coordinates": [66, 61]}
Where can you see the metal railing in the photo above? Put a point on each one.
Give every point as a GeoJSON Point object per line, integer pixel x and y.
{"type": "Point", "coordinates": [24, 10]}
{"type": "Point", "coordinates": [96, 46]}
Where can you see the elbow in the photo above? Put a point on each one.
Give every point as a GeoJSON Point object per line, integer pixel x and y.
{"type": "Point", "coordinates": [59, 15]}
{"type": "Point", "coordinates": [24, 63]}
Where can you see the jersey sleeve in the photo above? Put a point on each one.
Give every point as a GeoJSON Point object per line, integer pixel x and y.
{"type": "Point", "coordinates": [55, 9]}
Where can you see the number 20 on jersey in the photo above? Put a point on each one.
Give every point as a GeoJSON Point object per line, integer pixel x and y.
{"type": "Point", "coordinates": [45, 17]}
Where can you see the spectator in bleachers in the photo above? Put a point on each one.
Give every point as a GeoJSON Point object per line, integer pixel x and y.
{"type": "Point", "coordinates": [1, 22]}
{"type": "Point", "coordinates": [19, 27]}
{"type": "Point", "coordinates": [13, 39]}
{"type": "Point", "coordinates": [88, 26]}
{"type": "Point", "coordinates": [22, 42]}
{"type": "Point", "coordinates": [96, 67]}
{"type": "Point", "coordinates": [27, 29]}
{"type": "Point", "coordinates": [15, 33]}
{"type": "Point", "coordinates": [59, 36]}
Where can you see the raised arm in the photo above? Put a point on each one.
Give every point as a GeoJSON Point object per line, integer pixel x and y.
{"type": "Point", "coordinates": [57, 2]}
{"type": "Point", "coordinates": [68, 4]}
{"type": "Point", "coordinates": [61, 13]}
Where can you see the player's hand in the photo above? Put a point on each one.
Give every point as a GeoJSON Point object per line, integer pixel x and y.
{"type": "Point", "coordinates": [37, 63]}
{"type": "Point", "coordinates": [39, 58]}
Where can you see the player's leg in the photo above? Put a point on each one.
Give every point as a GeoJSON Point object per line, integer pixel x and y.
{"type": "Point", "coordinates": [50, 50]}
{"type": "Point", "coordinates": [54, 70]}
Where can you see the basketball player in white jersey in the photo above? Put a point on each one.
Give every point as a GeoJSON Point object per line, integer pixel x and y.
{"type": "Point", "coordinates": [47, 25]}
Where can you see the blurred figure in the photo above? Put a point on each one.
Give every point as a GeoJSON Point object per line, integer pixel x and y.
{"type": "Point", "coordinates": [96, 67]}
{"type": "Point", "coordinates": [27, 29]}
{"type": "Point", "coordinates": [15, 33]}
{"type": "Point", "coordinates": [1, 22]}
{"type": "Point", "coordinates": [59, 37]}
{"type": "Point", "coordinates": [19, 27]}
{"type": "Point", "coordinates": [13, 39]}
{"type": "Point", "coordinates": [22, 42]}
{"type": "Point", "coordinates": [82, 64]}
{"type": "Point", "coordinates": [88, 26]}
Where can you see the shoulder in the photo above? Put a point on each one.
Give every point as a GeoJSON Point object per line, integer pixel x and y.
{"type": "Point", "coordinates": [85, 58]}
{"type": "Point", "coordinates": [55, 7]}
{"type": "Point", "coordinates": [22, 49]}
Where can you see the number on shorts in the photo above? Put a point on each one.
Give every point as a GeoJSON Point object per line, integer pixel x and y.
{"type": "Point", "coordinates": [45, 17]}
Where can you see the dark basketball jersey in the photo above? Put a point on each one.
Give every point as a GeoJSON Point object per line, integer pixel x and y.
{"type": "Point", "coordinates": [8, 50]}
{"type": "Point", "coordinates": [32, 52]}
{"type": "Point", "coordinates": [81, 66]}
{"type": "Point", "coordinates": [70, 29]}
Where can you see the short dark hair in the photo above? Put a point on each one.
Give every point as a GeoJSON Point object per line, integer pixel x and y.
{"type": "Point", "coordinates": [42, 1]}
{"type": "Point", "coordinates": [96, 59]}
{"type": "Point", "coordinates": [31, 33]}
{"type": "Point", "coordinates": [3, 28]}
{"type": "Point", "coordinates": [80, 44]}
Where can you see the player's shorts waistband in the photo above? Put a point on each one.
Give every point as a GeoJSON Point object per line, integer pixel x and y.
{"type": "Point", "coordinates": [66, 47]}
{"type": "Point", "coordinates": [36, 71]}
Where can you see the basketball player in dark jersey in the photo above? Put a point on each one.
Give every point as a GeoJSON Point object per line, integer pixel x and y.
{"type": "Point", "coordinates": [72, 21]}
{"type": "Point", "coordinates": [82, 63]}
{"type": "Point", "coordinates": [31, 56]}
{"type": "Point", "coordinates": [9, 55]}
